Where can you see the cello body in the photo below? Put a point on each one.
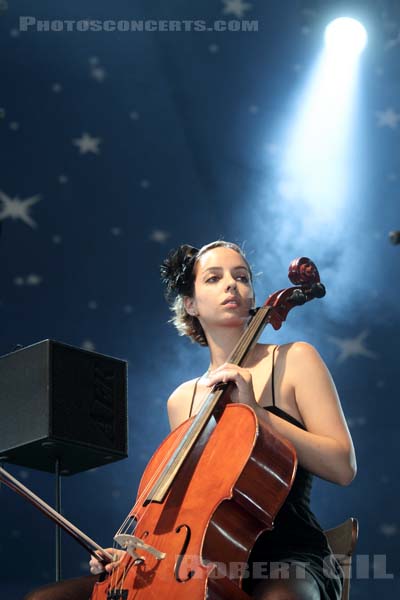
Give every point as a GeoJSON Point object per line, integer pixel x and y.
{"type": "Point", "coordinates": [226, 494]}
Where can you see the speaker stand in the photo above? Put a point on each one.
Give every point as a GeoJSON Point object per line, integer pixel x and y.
{"type": "Point", "coordinates": [57, 472]}
{"type": "Point", "coordinates": [58, 529]}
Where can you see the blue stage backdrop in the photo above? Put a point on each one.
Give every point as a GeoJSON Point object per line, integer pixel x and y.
{"type": "Point", "coordinates": [119, 142]}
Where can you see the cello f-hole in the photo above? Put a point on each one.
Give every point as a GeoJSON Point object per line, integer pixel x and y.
{"type": "Point", "coordinates": [182, 554]}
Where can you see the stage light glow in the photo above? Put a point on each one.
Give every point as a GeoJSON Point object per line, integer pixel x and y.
{"type": "Point", "coordinates": [312, 200]}
{"type": "Point", "coordinates": [345, 36]}
{"type": "Point", "coordinates": [316, 171]}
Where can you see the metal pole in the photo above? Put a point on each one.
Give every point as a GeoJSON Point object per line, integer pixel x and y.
{"type": "Point", "coordinates": [58, 529]}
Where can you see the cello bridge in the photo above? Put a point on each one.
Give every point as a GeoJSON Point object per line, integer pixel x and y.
{"type": "Point", "coordinates": [131, 543]}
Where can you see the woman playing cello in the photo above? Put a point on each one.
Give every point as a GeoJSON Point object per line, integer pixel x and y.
{"type": "Point", "coordinates": [211, 294]}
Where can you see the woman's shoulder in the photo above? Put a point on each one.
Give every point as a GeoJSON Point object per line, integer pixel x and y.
{"type": "Point", "coordinates": [178, 403]}
{"type": "Point", "coordinates": [298, 356]}
{"type": "Point", "coordinates": [296, 349]}
{"type": "Point", "coordinates": [182, 390]}
{"type": "Point", "coordinates": [290, 358]}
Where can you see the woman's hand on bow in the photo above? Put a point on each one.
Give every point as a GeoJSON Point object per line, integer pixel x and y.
{"type": "Point", "coordinates": [97, 566]}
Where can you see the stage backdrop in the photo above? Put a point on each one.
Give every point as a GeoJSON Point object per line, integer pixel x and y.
{"type": "Point", "coordinates": [119, 142]}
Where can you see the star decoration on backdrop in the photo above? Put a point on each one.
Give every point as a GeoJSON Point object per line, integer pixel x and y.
{"type": "Point", "coordinates": [388, 118]}
{"type": "Point", "coordinates": [352, 347]}
{"type": "Point", "coordinates": [31, 279]}
{"type": "Point", "coordinates": [56, 88]}
{"type": "Point", "coordinates": [98, 73]}
{"type": "Point", "coordinates": [356, 421]}
{"type": "Point", "coordinates": [88, 345]}
{"type": "Point", "coordinates": [16, 208]}
{"type": "Point", "coordinates": [389, 529]}
{"type": "Point", "coordinates": [393, 42]}
{"type": "Point", "coordinates": [160, 236]}
{"type": "Point", "coordinates": [236, 7]}
{"type": "Point", "coordinates": [86, 143]}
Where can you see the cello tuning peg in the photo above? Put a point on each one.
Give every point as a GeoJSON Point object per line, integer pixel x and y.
{"type": "Point", "coordinates": [298, 297]}
{"type": "Point", "coordinates": [394, 237]}
{"type": "Point", "coordinates": [318, 290]}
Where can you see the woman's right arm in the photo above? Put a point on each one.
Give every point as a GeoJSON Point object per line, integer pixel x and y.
{"type": "Point", "coordinates": [96, 566]}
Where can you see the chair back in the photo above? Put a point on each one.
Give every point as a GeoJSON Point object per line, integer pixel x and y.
{"type": "Point", "coordinates": [343, 539]}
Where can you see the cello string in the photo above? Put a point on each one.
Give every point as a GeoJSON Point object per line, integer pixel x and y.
{"type": "Point", "coordinates": [114, 573]}
{"type": "Point", "coordinates": [122, 580]}
{"type": "Point", "coordinates": [211, 395]}
{"type": "Point", "coordinates": [159, 468]}
{"type": "Point", "coordinates": [149, 485]}
{"type": "Point", "coordinates": [151, 481]}
{"type": "Point", "coordinates": [236, 356]}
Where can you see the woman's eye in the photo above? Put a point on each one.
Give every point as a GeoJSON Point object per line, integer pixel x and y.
{"type": "Point", "coordinates": [213, 278]}
{"type": "Point", "coordinates": [243, 278]}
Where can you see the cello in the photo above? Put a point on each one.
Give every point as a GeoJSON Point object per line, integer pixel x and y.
{"type": "Point", "coordinates": [211, 488]}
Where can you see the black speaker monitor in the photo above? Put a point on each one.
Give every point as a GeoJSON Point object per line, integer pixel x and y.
{"type": "Point", "coordinates": [65, 403]}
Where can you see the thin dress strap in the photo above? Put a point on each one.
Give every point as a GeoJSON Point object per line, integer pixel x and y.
{"type": "Point", "coordinates": [275, 409]}
{"type": "Point", "coordinates": [273, 374]}
{"type": "Point", "coordinates": [194, 394]}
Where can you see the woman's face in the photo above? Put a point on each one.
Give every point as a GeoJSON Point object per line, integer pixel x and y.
{"type": "Point", "coordinates": [223, 293]}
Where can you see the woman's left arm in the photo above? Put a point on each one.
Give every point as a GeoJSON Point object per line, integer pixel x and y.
{"type": "Point", "coordinates": [326, 448]}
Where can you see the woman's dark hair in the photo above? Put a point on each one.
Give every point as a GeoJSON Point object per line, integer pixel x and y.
{"type": "Point", "coordinates": [178, 275]}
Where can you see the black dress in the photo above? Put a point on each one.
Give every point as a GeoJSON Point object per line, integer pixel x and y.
{"type": "Point", "coordinates": [297, 536]}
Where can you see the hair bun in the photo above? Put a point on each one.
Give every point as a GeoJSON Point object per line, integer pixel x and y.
{"type": "Point", "coordinates": [176, 271]}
